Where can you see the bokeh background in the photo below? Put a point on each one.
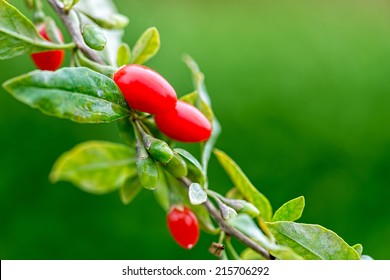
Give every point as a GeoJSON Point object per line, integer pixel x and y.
{"type": "Point", "coordinates": [302, 89]}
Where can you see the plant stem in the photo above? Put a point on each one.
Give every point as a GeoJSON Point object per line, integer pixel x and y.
{"type": "Point", "coordinates": [75, 33]}
{"type": "Point", "coordinates": [227, 228]}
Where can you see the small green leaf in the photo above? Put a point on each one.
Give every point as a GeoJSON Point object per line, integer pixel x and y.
{"type": "Point", "coordinates": [146, 46]}
{"type": "Point", "coordinates": [206, 110]}
{"type": "Point", "coordinates": [78, 94]}
{"type": "Point", "coordinates": [197, 78]}
{"type": "Point", "coordinates": [68, 4]}
{"type": "Point", "coordinates": [124, 55]}
{"type": "Point", "coordinates": [112, 21]}
{"type": "Point", "coordinates": [242, 183]}
{"type": "Point", "coordinates": [196, 194]}
{"type": "Point", "coordinates": [290, 211]}
{"type": "Point", "coordinates": [246, 225]}
{"type": "Point", "coordinates": [358, 248]}
{"type": "Point", "coordinates": [129, 190]}
{"type": "Point", "coordinates": [195, 169]}
{"type": "Point", "coordinates": [312, 242]}
{"type": "Point", "coordinates": [95, 167]}
{"type": "Point", "coordinates": [190, 98]}
{"type": "Point", "coordinates": [18, 35]}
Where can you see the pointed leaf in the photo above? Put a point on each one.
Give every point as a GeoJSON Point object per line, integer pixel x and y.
{"type": "Point", "coordinates": [190, 98]}
{"type": "Point", "coordinates": [358, 248]}
{"type": "Point", "coordinates": [195, 169]}
{"type": "Point", "coordinates": [95, 167]}
{"type": "Point", "coordinates": [78, 94]}
{"type": "Point", "coordinates": [130, 189]}
{"type": "Point", "coordinates": [146, 46]}
{"type": "Point", "coordinates": [18, 35]}
{"type": "Point", "coordinates": [124, 55]}
{"type": "Point", "coordinates": [290, 211]}
{"type": "Point", "coordinates": [242, 183]}
{"type": "Point", "coordinates": [312, 242]}
{"type": "Point", "coordinates": [196, 194]}
{"type": "Point", "coordinates": [366, 258]}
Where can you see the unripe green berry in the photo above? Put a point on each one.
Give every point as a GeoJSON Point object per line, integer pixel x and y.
{"type": "Point", "coordinates": [94, 37]}
{"type": "Point", "coordinates": [177, 166]}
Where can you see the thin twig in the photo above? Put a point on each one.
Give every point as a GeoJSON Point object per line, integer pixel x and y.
{"type": "Point", "coordinates": [227, 228]}
{"type": "Point", "coordinates": [75, 33]}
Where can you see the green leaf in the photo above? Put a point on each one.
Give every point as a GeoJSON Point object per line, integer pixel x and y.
{"type": "Point", "coordinates": [243, 184]}
{"type": "Point", "coordinates": [201, 213]}
{"type": "Point", "coordinates": [18, 35]}
{"type": "Point", "coordinates": [195, 169]}
{"type": "Point", "coordinates": [146, 46]}
{"type": "Point", "coordinates": [312, 242]}
{"type": "Point", "coordinates": [78, 94]}
{"type": "Point", "coordinates": [206, 111]}
{"type": "Point", "coordinates": [290, 211]}
{"type": "Point", "coordinates": [129, 190]}
{"type": "Point", "coordinates": [197, 79]}
{"type": "Point", "coordinates": [124, 55]}
{"type": "Point", "coordinates": [358, 248]}
{"type": "Point", "coordinates": [246, 225]}
{"type": "Point", "coordinates": [196, 194]}
{"type": "Point", "coordinates": [95, 167]}
{"type": "Point", "coordinates": [190, 98]}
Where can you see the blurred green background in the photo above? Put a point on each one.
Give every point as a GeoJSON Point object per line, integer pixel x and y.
{"type": "Point", "coordinates": [302, 90]}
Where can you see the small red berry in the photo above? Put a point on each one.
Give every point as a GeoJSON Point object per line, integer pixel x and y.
{"type": "Point", "coordinates": [48, 60]}
{"type": "Point", "coordinates": [145, 90]}
{"type": "Point", "coordinates": [185, 123]}
{"type": "Point", "coordinates": [183, 225]}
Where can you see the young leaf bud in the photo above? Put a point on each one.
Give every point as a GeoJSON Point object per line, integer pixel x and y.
{"type": "Point", "coordinates": [177, 166]}
{"type": "Point", "coordinates": [94, 37]}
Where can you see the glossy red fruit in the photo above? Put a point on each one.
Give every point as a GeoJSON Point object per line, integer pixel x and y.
{"type": "Point", "coordinates": [145, 90]}
{"type": "Point", "coordinates": [183, 225]}
{"type": "Point", "coordinates": [49, 60]}
{"type": "Point", "coordinates": [185, 123]}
